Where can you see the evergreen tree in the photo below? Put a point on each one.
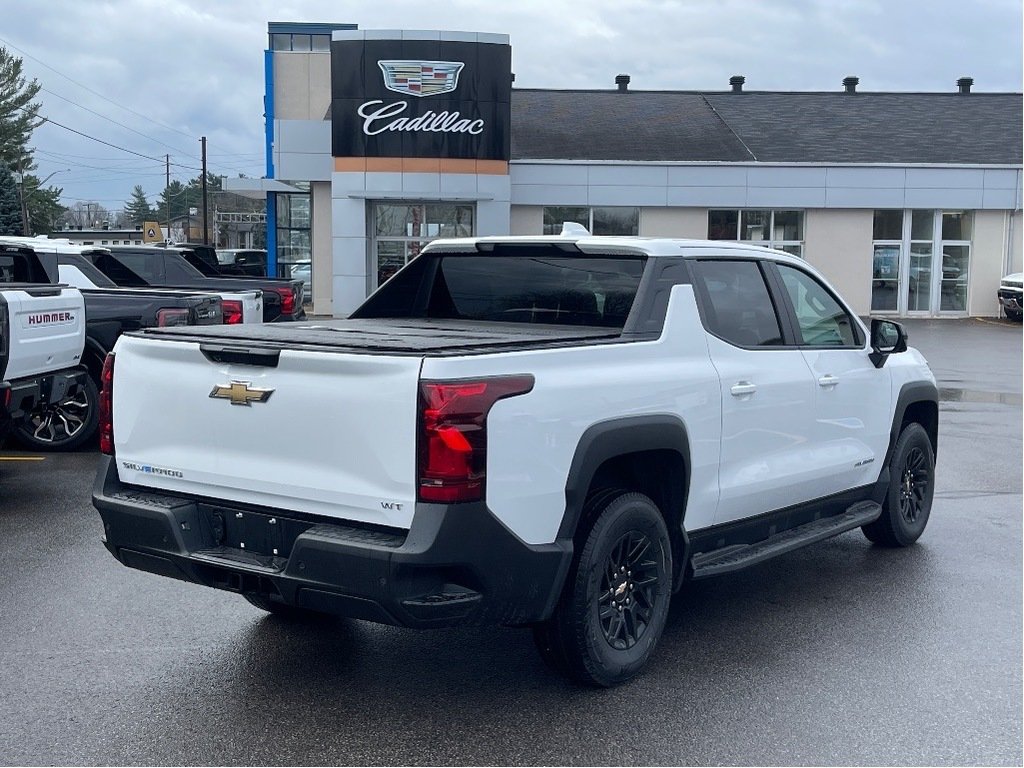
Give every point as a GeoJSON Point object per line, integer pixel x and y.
{"type": "Point", "coordinates": [138, 210]}
{"type": "Point", "coordinates": [174, 201]}
{"type": "Point", "coordinates": [10, 206]}
{"type": "Point", "coordinates": [18, 113]}
{"type": "Point", "coordinates": [44, 207]}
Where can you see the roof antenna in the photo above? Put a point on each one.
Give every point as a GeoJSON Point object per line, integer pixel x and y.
{"type": "Point", "coordinates": [574, 229]}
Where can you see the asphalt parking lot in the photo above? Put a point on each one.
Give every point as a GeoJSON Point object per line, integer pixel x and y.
{"type": "Point", "coordinates": [842, 653]}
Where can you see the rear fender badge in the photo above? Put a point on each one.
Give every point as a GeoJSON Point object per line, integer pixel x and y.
{"type": "Point", "coordinates": [241, 393]}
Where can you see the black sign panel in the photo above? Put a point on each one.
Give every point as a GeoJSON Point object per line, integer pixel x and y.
{"type": "Point", "coordinates": [421, 98]}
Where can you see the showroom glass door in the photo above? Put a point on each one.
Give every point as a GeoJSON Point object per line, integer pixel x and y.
{"type": "Point", "coordinates": [921, 262]}
{"type": "Point", "coordinates": [400, 230]}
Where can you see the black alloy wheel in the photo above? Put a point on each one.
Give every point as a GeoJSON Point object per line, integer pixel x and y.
{"type": "Point", "coordinates": [629, 591]}
{"type": "Point", "coordinates": [914, 484]}
{"type": "Point", "coordinates": [64, 425]}
{"type": "Point", "coordinates": [616, 597]}
{"type": "Point", "coordinates": [908, 500]}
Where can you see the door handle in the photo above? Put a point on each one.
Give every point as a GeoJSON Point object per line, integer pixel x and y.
{"type": "Point", "coordinates": [828, 380]}
{"type": "Point", "coordinates": [741, 388]}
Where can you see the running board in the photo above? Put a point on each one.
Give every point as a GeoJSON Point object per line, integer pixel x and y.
{"type": "Point", "coordinates": [737, 556]}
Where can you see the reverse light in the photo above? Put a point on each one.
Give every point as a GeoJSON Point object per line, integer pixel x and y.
{"type": "Point", "coordinates": [232, 310]}
{"type": "Point", "coordinates": [169, 317]}
{"type": "Point", "coordinates": [452, 450]}
{"type": "Point", "coordinates": [106, 425]}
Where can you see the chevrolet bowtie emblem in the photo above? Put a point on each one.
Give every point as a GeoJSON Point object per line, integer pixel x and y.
{"type": "Point", "coordinates": [240, 393]}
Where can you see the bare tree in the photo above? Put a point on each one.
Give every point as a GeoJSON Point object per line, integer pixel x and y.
{"type": "Point", "coordinates": [86, 214]}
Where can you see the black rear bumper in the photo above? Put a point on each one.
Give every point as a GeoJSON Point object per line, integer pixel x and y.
{"type": "Point", "coordinates": [456, 565]}
{"type": "Point", "coordinates": [23, 395]}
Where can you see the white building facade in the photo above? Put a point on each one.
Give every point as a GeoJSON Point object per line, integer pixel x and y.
{"type": "Point", "coordinates": [907, 217]}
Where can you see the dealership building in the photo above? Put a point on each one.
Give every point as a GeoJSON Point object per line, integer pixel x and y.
{"type": "Point", "coordinates": [380, 141]}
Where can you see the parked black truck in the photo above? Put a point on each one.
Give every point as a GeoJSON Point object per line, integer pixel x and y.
{"type": "Point", "coordinates": [65, 423]}
{"type": "Point", "coordinates": [180, 268]}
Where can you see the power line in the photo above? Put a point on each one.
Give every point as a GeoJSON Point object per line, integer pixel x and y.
{"type": "Point", "coordinates": [96, 93]}
{"type": "Point", "coordinates": [115, 122]}
{"type": "Point", "coordinates": [107, 143]}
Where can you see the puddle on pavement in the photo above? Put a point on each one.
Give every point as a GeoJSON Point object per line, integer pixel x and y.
{"type": "Point", "coordinates": [955, 395]}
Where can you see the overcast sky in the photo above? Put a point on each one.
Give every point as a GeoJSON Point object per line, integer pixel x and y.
{"type": "Point", "coordinates": [161, 73]}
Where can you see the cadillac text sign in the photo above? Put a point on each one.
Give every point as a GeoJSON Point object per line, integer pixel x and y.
{"type": "Point", "coordinates": [420, 99]}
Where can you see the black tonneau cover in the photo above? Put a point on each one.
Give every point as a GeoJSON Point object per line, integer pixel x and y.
{"type": "Point", "coordinates": [438, 338]}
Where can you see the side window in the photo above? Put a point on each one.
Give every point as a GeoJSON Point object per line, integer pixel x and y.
{"type": "Point", "coordinates": [736, 305]}
{"type": "Point", "coordinates": [822, 321]}
{"type": "Point", "coordinates": [147, 266]}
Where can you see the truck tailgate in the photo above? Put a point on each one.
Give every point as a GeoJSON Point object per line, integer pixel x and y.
{"type": "Point", "coordinates": [326, 433]}
{"type": "Point", "coordinates": [45, 329]}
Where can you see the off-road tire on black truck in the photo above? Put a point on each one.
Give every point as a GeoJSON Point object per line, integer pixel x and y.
{"type": "Point", "coordinates": [908, 501]}
{"type": "Point", "coordinates": [616, 598]}
{"type": "Point", "coordinates": [61, 426]}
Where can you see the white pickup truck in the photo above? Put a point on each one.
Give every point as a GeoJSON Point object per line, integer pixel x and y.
{"type": "Point", "coordinates": [42, 336]}
{"type": "Point", "coordinates": [238, 307]}
{"type": "Point", "coordinates": [550, 432]}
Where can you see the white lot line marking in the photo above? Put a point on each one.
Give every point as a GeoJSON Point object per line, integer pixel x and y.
{"type": "Point", "coordinates": [22, 458]}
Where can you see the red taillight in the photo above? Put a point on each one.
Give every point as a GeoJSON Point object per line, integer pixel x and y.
{"type": "Point", "coordinates": [106, 427]}
{"type": "Point", "coordinates": [232, 311]}
{"type": "Point", "coordinates": [287, 300]}
{"type": "Point", "coordinates": [453, 434]}
{"type": "Point", "coordinates": [166, 317]}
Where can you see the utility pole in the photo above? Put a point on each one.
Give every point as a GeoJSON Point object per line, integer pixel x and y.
{"type": "Point", "coordinates": [167, 196]}
{"type": "Point", "coordinates": [206, 230]}
{"type": "Point", "coordinates": [24, 200]}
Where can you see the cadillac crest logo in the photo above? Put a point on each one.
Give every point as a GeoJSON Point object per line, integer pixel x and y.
{"type": "Point", "coordinates": [421, 78]}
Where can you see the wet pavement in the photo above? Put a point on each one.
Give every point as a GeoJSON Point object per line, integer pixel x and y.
{"type": "Point", "coordinates": [842, 653]}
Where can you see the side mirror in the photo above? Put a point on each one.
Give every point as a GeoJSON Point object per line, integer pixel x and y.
{"type": "Point", "coordinates": [887, 338]}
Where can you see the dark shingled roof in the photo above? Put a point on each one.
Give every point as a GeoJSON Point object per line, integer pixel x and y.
{"type": "Point", "coordinates": [786, 127]}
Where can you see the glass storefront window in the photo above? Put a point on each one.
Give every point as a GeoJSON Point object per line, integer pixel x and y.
{"type": "Point", "coordinates": [956, 225]}
{"type": "Point", "coordinates": [922, 263]}
{"type": "Point", "coordinates": [615, 221]}
{"type": "Point", "coordinates": [782, 230]}
{"type": "Point", "coordinates": [888, 225]}
{"type": "Point", "coordinates": [755, 225]}
{"type": "Point", "coordinates": [919, 281]}
{"type": "Point", "coordinates": [555, 217]}
{"type": "Point", "coordinates": [294, 238]}
{"type": "Point", "coordinates": [788, 225]}
{"type": "Point", "coordinates": [611, 220]}
{"type": "Point", "coordinates": [401, 230]}
{"type": "Point", "coordinates": [922, 224]}
{"type": "Point", "coordinates": [722, 225]}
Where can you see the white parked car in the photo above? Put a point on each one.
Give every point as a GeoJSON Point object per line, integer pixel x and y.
{"type": "Point", "coordinates": [1011, 291]}
{"type": "Point", "coordinates": [553, 432]}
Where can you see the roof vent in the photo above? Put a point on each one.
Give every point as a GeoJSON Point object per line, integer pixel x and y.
{"type": "Point", "coordinates": [964, 84]}
{"type": "Point", "coordinates": [850, 83]}
{"type": "Point", "coordinates": [623, 82]}
{"type": "Point", "coordinates": [737, 81]}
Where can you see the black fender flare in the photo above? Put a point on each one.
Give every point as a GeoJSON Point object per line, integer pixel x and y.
{"type": "Point", "coordinates": [910, 393]}
{"type": "Point", "coordinates": [619, 437]}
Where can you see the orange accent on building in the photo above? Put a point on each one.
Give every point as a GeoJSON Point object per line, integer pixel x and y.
{"type": "Point", "coordinates": [420, 165]}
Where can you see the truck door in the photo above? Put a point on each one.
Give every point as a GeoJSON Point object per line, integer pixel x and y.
{"type": "Point", "coordinates": [852, 408]}
{"type": "Point", "coordinates": [767, 392]}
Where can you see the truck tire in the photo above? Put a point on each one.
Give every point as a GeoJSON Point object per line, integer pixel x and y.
{"type": "Point", "coordinates": [62, 426]}
{"type": "Point", "coordinates": [615, 602]}
{"type": "Point", "coordinates": [908, 501]}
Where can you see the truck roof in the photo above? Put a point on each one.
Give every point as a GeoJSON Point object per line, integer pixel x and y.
{"type": "Point", "coordinates": [651, 246]}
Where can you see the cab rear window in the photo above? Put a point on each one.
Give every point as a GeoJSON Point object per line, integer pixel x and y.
{"type": "Point", "coordinates": [541, 287]}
